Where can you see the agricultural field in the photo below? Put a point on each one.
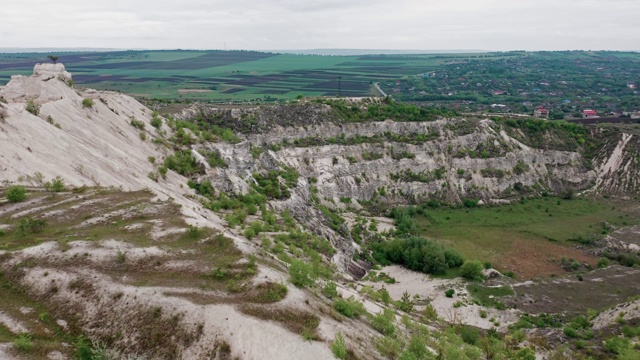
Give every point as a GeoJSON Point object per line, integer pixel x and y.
{"type": "Point", "coordinates": [232, 76]}
{"type": "Point", "coordinates": [529, 238]}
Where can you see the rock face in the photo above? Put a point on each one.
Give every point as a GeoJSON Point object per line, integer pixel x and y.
{"type": "Point", "coordinates": [22, 88]}
{"type": "Point", "coordinates": [85, 145]}
{"type": "Point", "coordinates": [51, 70]}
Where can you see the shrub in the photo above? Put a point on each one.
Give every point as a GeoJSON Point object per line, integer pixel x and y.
{"type": "Point", "coordinates": [269, 293]}
{"type": "Point", "coordinates": [350, 308]}
{"type": "Point", "coordinates": [183, 163]}
{"type": "Point", "coordinates": [31, 226]}
{"type": "Point", "coordinates": [470, 335]}
{"type": "Point", "coordinates": [137, 123]}
{"type": "Point", "coordinates": [339, 347]}
{"type": "Point", "coordinates": [87, 103]}
{"type": "Point", "coordinates": [228, 136]}
{"type": "Point", "coordinates": [449, 293]}
{"type": "Point", "coordinates": [520, 168]}
{"type": "Point", "coordinates": [405, 304]}
{"type": "Point", "coordinates": [415, 253]}
{"type": "Point", "coordinates": [23, 343]}
{"type": "Point", "coordinates": [472, 270]}
{"type": "Point", "coordinates": [525, 354]}
{"type": "Point", "coordinates": [603, 262]}
{"type": "Point", "coordinates": [16, 193]}
{"type": "Point", "coordinates": [429, 313]}
{"type": "Point", "coordinates": [617, 345]}
{"type": "Point", "coordinates": [330, 290]}
{"type": "Point", "coordinates": [383, 322]}
{"type": "Point", "coordinates": [156, 122]}
{"type": "Point", "coordinates": [470, 203]}
{"type": "Point", "coordinates": [3, 113]}
{"type": "Point", "coordinates": [453, 258]}
{"type": "Point", "coordinates": [301, 273]}
{"type": "Point", "coordinates": [55, 185]}
{"type": "Point", "coordinates": [33, 107]}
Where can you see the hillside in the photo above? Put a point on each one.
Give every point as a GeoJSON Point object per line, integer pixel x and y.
{"type": "Point", "coordinates": [263, 232]}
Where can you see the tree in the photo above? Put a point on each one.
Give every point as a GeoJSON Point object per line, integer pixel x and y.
{"type": "Point", "coordinates": [405, 304]}
{"type": "Point", "coordinates": [472, 270]}
{"type": "Point", "coordinates": [53, 58]}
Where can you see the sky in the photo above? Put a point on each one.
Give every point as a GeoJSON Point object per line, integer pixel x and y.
{"type": "Point", "coordinates": [323, 24]}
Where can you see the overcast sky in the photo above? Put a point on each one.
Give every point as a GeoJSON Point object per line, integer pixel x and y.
{"type": "Point", "coordinates": [313, 24]}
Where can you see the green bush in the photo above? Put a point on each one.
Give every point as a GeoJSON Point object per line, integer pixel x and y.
{"type": "Point", "coordinates": [33, 107]}
{"type": "Point", "coordinates": [137, 123]}
{"type": "Point", "coordinates": [383, 322]}
{"type": "Point", "coordinates": [87, 103]}
{"type": "Point", "coordinates": [525, 354]}
{"type": "Point", "coordinates": [469, 335]}
{"type": "Point", "coordinates": [55, 185]}
{"type": "Point", "coordinates": [301, 273]}
{"type": "Point", "coordinates": [31, 226]}
{"type": "Point", "coordinates": [350, 308]}
{"type": "Point", "coordinates": [156, 122]}
{"type": "Point", "coordinates": [472, 270]}
{"type": "Point", "coordinates": [405, 304]}
{"type": "Point", "coordinates": [16, 193]}
{"type": "Point", "coordinates": [449, 293]}
{"type": "Point", "coordinates": [417, 254]}
{"type": "Point", "coordinates": [330, 290]}
{"type": "Point", "coordinates": [183, 163]}
{"type": "Point", "coordinates": [215, 159]}
{"type": "Point", "coordinates": [617, 345]}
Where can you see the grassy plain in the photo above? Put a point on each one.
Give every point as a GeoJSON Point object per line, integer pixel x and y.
{"type": "Point", "coordinates": [529, 238]}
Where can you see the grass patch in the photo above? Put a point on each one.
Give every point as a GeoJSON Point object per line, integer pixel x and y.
{"type": "Point", "coordinates": [488, 296]}
{"type": "Point", "coordinates": [268, 293]}
{"type": "Point", "coordinates": [295, 320]}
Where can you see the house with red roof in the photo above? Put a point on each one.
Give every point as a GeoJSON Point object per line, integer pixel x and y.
{"type": "Point", "coordinates": [541, 112]}
{"type": "Point", "coordinates": [589, 114]}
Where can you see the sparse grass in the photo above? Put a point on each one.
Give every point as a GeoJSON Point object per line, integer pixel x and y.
{"type": "Point", "coordinates": [488, 296]}
{"type": "Point", "coordinates": [268, 293]}
{"type": "Point", "coordinates": [295, 320]}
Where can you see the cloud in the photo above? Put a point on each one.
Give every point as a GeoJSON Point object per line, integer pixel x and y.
{"type": "Point", "coordinates": [280, 24]}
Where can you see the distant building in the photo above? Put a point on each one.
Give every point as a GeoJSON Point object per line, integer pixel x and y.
{"type": "Point", "coordinates": [541, 112]}
{"type": "Point", "coordinates": [632, 85]}
{"type": "Point", "coordinates": [589, 114]}
{"type": "Point", "coordinates": [499, 92]}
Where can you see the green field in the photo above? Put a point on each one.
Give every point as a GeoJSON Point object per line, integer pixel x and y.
{"type": "Point", "coordinates": [527, 238]}
{"type": "Point", "coordinates": [232, 75]}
